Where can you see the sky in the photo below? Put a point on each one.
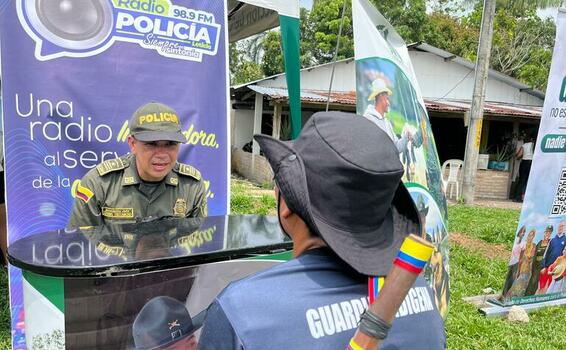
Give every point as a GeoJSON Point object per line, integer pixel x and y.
{"type": "Point", "coordinates": [306, 3]}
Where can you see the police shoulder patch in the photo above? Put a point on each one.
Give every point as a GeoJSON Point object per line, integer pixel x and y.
{"type": "Point", "coordinates": [110, 165]}
{"type": "Point", "coordinates": [187, 170]}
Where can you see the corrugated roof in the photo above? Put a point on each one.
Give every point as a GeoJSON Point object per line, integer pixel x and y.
{"type": "Point", "coordinates": [348, 98]}
{"type": "Point", "coordinates": [493, 108]}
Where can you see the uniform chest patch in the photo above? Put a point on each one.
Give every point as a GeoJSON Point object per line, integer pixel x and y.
{"type": "Point", "coordinates": [180, 207]}
{"type": "Point", "coordinates": [118, 213]}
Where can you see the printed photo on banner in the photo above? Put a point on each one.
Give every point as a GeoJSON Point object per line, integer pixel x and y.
{"type": "Point", "coordinates": [385, 94]}
{"type": "Point", "coordinates": [387, 98]}
{"type": "Point", "coordinates": [537, 267]}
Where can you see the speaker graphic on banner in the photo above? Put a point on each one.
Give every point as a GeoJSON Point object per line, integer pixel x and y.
{"type": "Point", "coordinates": [388, 95]}
{"type": "Point", "coordinates": [85, 28]}
{"type": "Point", "coordinates": [73, 73]}
{"type": "Point", "coordinates": [537, 268]}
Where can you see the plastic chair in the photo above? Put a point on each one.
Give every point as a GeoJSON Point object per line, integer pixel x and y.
{"type": "Point", "coordinates": [454, 166]}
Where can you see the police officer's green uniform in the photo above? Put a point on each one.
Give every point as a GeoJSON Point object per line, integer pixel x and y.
{"type": "Point", "coordinates": [114, 191]}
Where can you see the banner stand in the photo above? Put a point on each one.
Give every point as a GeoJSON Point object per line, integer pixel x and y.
{"type": "Point", "coordinates": [488, 305]}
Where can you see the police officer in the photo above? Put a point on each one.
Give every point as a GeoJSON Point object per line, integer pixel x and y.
{"type": "Point", "coordinates": [149, 182]}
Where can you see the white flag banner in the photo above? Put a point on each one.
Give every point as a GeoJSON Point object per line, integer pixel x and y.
{"type": "Point", "coordinates": [537, 268]}
{"type": "Point", "coordinates": [389, 96]}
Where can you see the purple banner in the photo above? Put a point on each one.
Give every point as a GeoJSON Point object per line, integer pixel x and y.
{"type": "Point", "coordinates": [72, 75]}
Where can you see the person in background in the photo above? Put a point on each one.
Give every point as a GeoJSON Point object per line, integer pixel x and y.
{"type": "Point", "coordinates": [516, 164]}
{"type": "Point", "coordinates": [525, 154]}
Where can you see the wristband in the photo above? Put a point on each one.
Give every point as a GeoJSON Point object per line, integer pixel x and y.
{"type": "Point", "coordinates": [373, 326]}
{"type": "Point", "coordinates": [413, 256]}
{"type": "Point", "coordinates": [353, 345]}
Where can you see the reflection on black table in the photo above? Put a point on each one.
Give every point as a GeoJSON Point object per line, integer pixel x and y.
{"type": "Point", "coordinates": [136, 243]}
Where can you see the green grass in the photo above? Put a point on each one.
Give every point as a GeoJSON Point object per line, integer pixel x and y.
{"type": "Point", "coordinates": [492, 225]}
{"type": "Point", "coordinates": [466, 329]}
{"type": "Point", "coordinates": [470, 272]}
{"type": "Point", "coordinates": [5, 332]}
{"type": "Point", "coordinates": [246, 198]}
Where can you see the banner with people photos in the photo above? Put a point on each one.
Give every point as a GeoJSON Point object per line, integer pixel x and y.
{"type": "Point", "coordinates": [537, 267]}
{"type": "Point", "coordinates": [388, 94]}
{"type": "Point", "coordinates": [73, 73]}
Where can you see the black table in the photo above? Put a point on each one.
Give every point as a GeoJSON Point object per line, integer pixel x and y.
{"type": "Point", "coordinates": [84, 288]}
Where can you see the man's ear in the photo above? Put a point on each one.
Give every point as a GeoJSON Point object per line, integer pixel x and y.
{"type": "Point", "coordinates": [284, 210]}
{"type": "Point", "coordinates": [131, 143]}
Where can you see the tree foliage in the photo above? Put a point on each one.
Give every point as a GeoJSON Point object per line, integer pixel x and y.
{"type": "Point", "coordinates": [242, 68]}
{"type": "Point", "coordinates": [322, 30]}
{"type": "Point", "coordinates": [522, 44]}
{"type": "Point", "coordinates": [409, 17]}
{"type": "Point", "coordinates": [272, 62]}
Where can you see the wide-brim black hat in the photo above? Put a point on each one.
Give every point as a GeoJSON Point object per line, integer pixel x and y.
{"type": "Point", "coordinates": [342, 176]}
{"type": "Point", "coordinates": [162, 322]}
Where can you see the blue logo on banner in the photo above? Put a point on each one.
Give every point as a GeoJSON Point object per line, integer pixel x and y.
{"type": "Point", "coordinates": [80, 29]}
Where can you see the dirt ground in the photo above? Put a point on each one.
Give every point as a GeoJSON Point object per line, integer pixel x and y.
{"type": "Point", "coordinates": [489, 250]}
{"type": "Point", "coordinates": [494, 204]}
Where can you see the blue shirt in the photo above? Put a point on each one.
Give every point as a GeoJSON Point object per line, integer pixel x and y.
{"type": "Point", "coordinates": [554, 250]}
{"type": "Point", "coordinates": [312, 302]}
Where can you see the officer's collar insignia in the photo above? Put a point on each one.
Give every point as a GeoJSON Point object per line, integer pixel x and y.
{"type": "Point", "coordinates": [128, 237]}
{"type": "Point", "coordinates": [188, 170]}
{"type": "Point", "coordinates": [174, 324]}
{"type": "Point", "coordinates": [128, 180]}
{"type": "Point", "coordinates": [180, 207]}
{"type": "Point", "coordinates": [110, 166]}
{"type": "Point", "coordinates": [174, 181]}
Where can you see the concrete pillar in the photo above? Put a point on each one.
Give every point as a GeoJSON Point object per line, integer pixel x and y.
{"type": "Point", "coordinates": [232, 124]}
{"type": "Point", "coordinates": [258, 111]}
{"type": "Point", "coordinates": [277, 108]}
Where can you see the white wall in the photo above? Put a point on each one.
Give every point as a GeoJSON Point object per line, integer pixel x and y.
{"type": "Point", "coordinates": [319, 78]}
{"type": "Point", "coordinates": [437, 78]}
{"type": "Point", "coordinates": [243, 127]}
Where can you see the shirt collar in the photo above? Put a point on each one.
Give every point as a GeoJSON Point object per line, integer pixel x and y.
{"type": "Point", "coordinates": [131, 176]}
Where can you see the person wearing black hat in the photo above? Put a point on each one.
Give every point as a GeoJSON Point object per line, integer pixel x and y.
{"type": "Point", "coordinates": [341, 200]}
{"type": "Point", "coordinates": [149, 182]}
{"type": "Point", "coordinates": [164, 323]}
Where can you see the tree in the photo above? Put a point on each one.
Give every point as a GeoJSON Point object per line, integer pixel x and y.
{"type": "Point", "coordinates": [521, 41]}
{"type": "Point", "coordinates": [272, 62]}
{"type": "Point", "coordinates": [409, 17]}
{"type": "Point", "coordinates": [322, 29]}
{"type": "Point", "coordinates": [452, 34]}
{"type": "Point", "coordinates": [242, 69]}
{"type": "Point", "coordinates": [272, 56]}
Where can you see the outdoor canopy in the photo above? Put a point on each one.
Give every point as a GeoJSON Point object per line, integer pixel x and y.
{"type": "Point", "coordinates": [249, 17]}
